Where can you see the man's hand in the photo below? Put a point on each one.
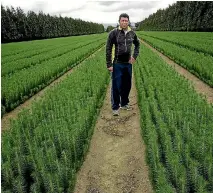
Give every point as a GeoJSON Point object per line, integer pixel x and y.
{"type": "Point", "coordinates": [132, 60]}
{"type": "Point", "coordinates": [110, 69]}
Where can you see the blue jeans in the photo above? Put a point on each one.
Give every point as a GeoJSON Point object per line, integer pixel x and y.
{"type": "Point", "coordinates": [121, 84]}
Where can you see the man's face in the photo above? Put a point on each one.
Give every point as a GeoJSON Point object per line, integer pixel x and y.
{"type": "Point", "coordinates": [124, 22]}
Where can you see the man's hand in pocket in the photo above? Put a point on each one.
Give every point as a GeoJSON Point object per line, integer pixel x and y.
{"type": "Point", "coordinates": [132, 60]}
{"type": "Point", "coordinates": [110, 69]}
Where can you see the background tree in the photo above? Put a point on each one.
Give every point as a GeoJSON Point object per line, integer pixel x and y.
{"type": "Point", "coordinates": [109, 28]}
{"type": "Point", "coordinates": [181, 16]}
{"type": "Point", "coordinates": [18, 26]}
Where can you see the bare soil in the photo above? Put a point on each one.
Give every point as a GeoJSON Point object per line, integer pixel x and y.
{"type": "Point", "coordinates": [115, 162]}
{"type": "Point", "coordinates": [199, 86]}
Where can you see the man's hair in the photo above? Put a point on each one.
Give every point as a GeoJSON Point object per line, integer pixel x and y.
{"type": "Point", "coordinates": [123, 15]}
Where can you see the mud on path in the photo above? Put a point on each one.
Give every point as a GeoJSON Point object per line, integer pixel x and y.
{"type": "Point", "coordinates": [199, 86]}
{"type": "Point", "coordinates": [115, 162]}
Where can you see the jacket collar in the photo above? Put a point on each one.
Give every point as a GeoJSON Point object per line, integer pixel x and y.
{"type": "Point", "coordinates": [128, 29]}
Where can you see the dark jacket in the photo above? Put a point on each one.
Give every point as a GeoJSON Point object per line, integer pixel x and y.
{"type": "Point", "coordinates": [123, 44]}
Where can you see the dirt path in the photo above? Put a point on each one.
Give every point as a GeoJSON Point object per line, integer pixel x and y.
{"type": "Point", "coordinates": [199, 85]}
{"type": "Point", "coordinates": [115, 162]}
{"type": "Point", "coordinates": [5, 121]}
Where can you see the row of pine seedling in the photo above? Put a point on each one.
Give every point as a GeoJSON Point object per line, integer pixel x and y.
{"type": "Point", "coordinates": [198, 63]}
{"type": "Point", "coordinates": [199, 42]}
{"type": "Point", "coordinates": [45, 146]}
{"type": "Point", "coordinates": [26, 82]}
{"type": "Point", "coordinates": [36, 57]}
{"type": "Point", "coordinates": [177, 126]}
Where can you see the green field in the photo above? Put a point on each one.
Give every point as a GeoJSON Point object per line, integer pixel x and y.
{"type": "Point", "coordinates": [177, 127]}
{"type": "Point", "coordinates": [26, 72]}
{"type": "Point", "coordinates": [43, 150]}
{"type": "Point", "coordinates": [193, 51]}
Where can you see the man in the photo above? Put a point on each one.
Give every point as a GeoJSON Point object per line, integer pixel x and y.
{"type": "Point", "coordinates": [121, 68]}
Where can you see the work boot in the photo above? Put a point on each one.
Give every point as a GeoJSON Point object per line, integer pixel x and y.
{"type": "Point", "coordinates": [115, 112]}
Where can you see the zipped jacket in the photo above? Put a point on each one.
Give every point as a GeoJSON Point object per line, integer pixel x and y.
{"type": "Point", "coordinates": [123, 43]}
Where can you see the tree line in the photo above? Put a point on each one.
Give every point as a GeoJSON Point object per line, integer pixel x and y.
{"type": "Point", "coordinates": [18, 26]}
{"type": "Point", "coordinates": [181, 16]}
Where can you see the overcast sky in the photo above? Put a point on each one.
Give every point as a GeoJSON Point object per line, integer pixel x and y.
{"type": "Point", "coordinates": [95, 11]}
